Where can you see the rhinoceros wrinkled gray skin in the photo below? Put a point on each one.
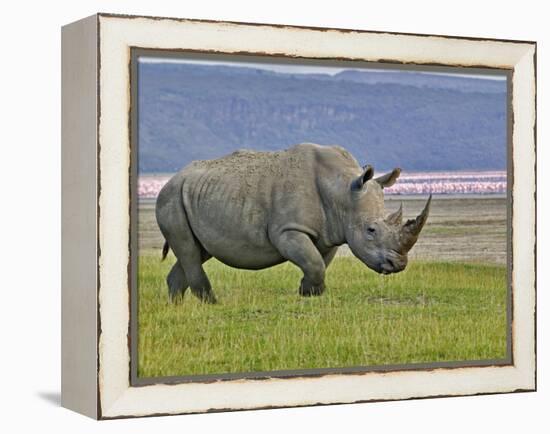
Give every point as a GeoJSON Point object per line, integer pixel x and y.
{"type": "Point", "coordinates": [253, 210]}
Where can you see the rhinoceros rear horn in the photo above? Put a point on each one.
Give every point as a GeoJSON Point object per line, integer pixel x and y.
{"type": "Point", "coordinates": [411, 229]}
{"type": "Point", "coordinates": [396, 217]}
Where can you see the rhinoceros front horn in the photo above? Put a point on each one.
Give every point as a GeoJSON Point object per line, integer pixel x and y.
{"type": "Point", "coordinates": [411, 229]}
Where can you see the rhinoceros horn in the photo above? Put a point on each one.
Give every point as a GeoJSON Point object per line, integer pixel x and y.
{"type": "Point", "coordinates": [396, 217]}
{"type": "Point", "coordinates": [411, 229]}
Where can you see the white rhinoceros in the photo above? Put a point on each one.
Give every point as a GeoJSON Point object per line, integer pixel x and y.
{"type": "Point", "coordinates": [253, 210]}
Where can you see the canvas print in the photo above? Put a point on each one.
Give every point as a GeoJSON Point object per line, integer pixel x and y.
{"type": "Point", "coordinates": [308, 217]}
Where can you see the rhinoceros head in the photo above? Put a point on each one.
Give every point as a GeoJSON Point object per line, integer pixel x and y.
{"type": "Point", "coordinates": [381, 242]}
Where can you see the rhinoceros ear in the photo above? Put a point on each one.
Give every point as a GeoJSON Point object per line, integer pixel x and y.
{"type": "Point", "coordinates": [368, 173]}
{"type": "Point", "coordinates": [389, 179]}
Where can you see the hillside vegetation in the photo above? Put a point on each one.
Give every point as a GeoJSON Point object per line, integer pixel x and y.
{"type": "Point", "coordinates": [413, 120]}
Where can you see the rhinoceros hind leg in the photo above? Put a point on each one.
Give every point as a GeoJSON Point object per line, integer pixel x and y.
{"type": "Point", "coordinates": [200, 285]}
{"type": "Point", "coordinates": [191, 257]}
{"type": "Point", "coordinates": [177, 283]}
{"type": "Point", "coordinates": [173, 223]}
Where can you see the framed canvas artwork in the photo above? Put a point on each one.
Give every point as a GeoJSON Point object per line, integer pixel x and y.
{"type": "Point", "coordinates": [262, 216]}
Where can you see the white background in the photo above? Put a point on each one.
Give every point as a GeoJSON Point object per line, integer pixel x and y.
{"type": "Point", "coordinates": [30, 217]}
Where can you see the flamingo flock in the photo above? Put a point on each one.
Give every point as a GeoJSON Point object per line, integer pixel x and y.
{"type": "Point", "coordinates": [488, 182]}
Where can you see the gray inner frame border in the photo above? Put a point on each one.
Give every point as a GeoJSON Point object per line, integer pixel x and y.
{"type": "Point", "coordinates": [136, 53]}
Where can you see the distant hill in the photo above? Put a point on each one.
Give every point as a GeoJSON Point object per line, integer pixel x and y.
{"type": "Point", "coordinates": [414, 120]}
{"type": "Point", "coordinates": [424, 80]}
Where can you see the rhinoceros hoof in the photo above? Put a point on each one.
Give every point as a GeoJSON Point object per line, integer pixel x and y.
{"type": "Point", "coordinates": [307, 289]}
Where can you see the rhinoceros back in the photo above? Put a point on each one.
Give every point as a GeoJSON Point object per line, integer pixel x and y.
{"type": "Point", "coordinates": [233, 202]}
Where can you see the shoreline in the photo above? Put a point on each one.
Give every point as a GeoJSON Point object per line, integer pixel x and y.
{"type": "Point", "coordinates": [404, 197]}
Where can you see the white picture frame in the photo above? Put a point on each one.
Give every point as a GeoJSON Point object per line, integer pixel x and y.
{"type": "Point", "coordinates": [96, 213]}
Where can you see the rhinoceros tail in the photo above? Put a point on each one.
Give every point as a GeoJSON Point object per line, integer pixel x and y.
{"type": "Point", "coordinates": [165, 250]}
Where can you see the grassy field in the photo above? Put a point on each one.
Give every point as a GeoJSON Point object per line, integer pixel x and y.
{"type": "Point", "coordinates": [452, 308]}
{"type": "Point", "coordinates": [430, 312]}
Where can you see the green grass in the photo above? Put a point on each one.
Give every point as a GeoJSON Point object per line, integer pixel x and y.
{"type": "Point", "coordinates": [433, 311]}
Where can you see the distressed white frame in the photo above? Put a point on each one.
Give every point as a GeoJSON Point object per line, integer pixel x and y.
{"type": "Point", "coordinates": [116, 398]}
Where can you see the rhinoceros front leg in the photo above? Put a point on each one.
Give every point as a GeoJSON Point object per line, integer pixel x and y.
{"type": "Point", "coordinates": [329, 256]}
{"type": "Point", "coordinates": [298, 248]}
